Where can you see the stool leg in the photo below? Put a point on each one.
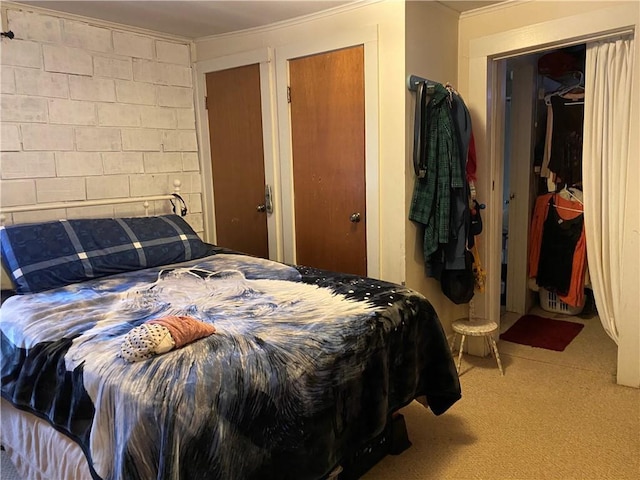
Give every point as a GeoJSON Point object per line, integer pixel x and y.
{"type": "Point", "coordinates": [453, 341]}
{"type": "Point", "coordinates": [460, 353]}
{"type": "Point", "coordinates": [487, 342]}
{"type": "Point", "coordinates": [495, 350]}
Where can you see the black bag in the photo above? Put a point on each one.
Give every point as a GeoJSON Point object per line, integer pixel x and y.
{"type": "Point", "coordinates": [475, 223]}
{"type": "Point", "coordinates": [476, 220]}
{"type": "Point", "coordinates": [458, 285]}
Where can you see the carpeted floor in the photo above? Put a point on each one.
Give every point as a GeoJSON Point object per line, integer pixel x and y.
{"type": "Point", "coordinates": [7, 472]}
{"type": "Point", "coordinates": [554, 415]}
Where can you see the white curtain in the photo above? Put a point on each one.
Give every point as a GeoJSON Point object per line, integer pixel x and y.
{"type": "Point", "coordinates": [607, 113]}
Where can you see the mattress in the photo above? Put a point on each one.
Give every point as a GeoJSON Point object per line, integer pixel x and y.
{"type": "Point", "coordinates": [306, 367]}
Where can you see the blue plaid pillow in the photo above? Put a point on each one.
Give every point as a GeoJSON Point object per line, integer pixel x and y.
{"type": "Point", "coordinates": [42, 256]}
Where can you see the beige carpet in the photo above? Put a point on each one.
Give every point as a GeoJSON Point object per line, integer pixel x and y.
{"type": "Point", "coordinates": [7, 472]}
{"type": "Point", "coordinates": [554, 415]}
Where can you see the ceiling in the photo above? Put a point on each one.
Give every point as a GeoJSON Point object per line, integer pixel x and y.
{"type": "Point", "coordinates": [194, 19]}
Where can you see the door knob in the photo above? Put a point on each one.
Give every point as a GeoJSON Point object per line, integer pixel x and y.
{"type": "Point", "coordinates": [261, 208]}
{"type": "Point", "coordinates": [355, 217]}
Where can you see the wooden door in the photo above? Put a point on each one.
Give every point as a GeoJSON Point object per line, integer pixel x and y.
{"type": "Point", "coordinates": [328, 149]}
{"type": "Point", "coordinates": [237, 159]}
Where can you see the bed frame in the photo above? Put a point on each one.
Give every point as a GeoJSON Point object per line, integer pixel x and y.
{"type": "Point", "coordinates": [93, 203]}
{"type": "Point", "coordinates": [68, 460]}
{"type": "Point", "coordinates": [62, 455]}
{"type": "Point", "coordinates": [143, 200]}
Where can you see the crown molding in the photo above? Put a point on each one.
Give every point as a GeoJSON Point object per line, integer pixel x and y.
{"type": "Point", "coordinates": [493, 8]}
{"type": "Point", "coordinates": [90, 20]}
{"type": "Point", "coordinates": [340, 9]}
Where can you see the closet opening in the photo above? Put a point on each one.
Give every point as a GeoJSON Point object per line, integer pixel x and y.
{"type": "Point", "coordinates": [488, 56]}
{"type": "Point", "coordinates": [542, 162]}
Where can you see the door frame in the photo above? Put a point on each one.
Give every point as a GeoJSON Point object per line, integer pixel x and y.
{"type": "Point", "coordinates": [368, 37]}
{"type": "Point", "coordinates": [264, 57]}
{"type": "Point", "coordinates": [519, 298]}
{"type": "Point", "coordinates": [485, 55]}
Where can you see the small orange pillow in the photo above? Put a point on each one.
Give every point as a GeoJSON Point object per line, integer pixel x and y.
{"type": "Point", "coordinates": [184, 329]}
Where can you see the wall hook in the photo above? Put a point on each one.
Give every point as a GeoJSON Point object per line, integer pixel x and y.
{"type": "Point", "coordinates": [8, 34]}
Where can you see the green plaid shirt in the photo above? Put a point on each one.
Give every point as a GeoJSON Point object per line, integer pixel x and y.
{"type": "Point", "coordinates": [431, 203]}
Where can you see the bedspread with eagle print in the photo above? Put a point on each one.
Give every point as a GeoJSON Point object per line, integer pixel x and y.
{"type": "Point", "coordinates": [305, 366]}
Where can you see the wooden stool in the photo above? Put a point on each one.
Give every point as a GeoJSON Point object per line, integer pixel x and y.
{"type": "Point", "coordinates": [478, 327]}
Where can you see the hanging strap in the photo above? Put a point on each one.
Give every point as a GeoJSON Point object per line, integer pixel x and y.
{"type": "Point", "coordinates": [183, 205]}
{"type": "Point", "coordinates": [418, 131]}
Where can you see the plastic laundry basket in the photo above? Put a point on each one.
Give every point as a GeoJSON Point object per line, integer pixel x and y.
{"type": "Point", "coordinates": [550, 302]}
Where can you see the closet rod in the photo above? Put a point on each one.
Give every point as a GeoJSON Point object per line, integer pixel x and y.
{"type": "Point", "coordinates": [415, 80]}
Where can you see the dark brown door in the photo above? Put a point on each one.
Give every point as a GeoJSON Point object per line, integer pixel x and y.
{"type": "Point", "coordinates": [328, 148]}
{"type": "Point", "coordinates": [237, 159]}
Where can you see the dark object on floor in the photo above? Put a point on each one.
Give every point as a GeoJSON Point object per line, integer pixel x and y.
{"type": "Point", "coordinates": [399, 436]}
{"type": "Point", "coordinates": [542, 332]}
{"type": "Point", "coordinates": [589, 309]}
{"type": "Point", "coordinates": [392, 441]}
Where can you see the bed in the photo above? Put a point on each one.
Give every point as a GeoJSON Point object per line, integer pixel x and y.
{"type": "Point", "coordinates": [303, 373]}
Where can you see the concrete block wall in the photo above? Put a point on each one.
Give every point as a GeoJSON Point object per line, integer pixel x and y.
{"type": "Point", "coordinates": [94, 112]}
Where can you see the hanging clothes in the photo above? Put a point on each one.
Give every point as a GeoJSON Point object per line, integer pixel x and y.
{"type": "Point", "coordinates": [557, 241]}
{"type": "Point", "coordinates": [431, 202]}
{"type": "Point", "coordinates": [540, 210]}
{"type": "Point", "coordinates": [565, 159]}
{"type": "Point", "coordinates": [558, 244]}
{"type": "Point", "coordinates": [574, 263]}
{"type": "Point", "coordinates": [441, 193]}
{"type": "Point", "coordinates": [454, 251]}
{"type": "Point", "coordinates": [471, 162]}
{"type": "Point", "coordinates": [562, 79]}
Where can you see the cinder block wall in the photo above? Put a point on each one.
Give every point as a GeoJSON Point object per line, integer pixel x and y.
{"type": "Point", "coordinates": [90, 112]}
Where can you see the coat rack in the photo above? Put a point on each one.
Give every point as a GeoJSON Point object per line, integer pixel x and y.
{"type": "Point", "coordinates": [415, 80]}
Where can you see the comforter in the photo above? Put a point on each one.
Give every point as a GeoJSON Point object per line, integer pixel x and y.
{"type": "Point", "coordinates": [305, 367]}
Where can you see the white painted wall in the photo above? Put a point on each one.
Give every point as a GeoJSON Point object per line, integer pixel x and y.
{"type": "Point", "coordinates": [93, 112]}
{"type": "Point", "coordinates": [413, 38]}
{"type": "Point", "coordinates": [431, 32]}
{"type": "Point", "coordinates": [389, 18]}
{"type": "Point", "coordinates": [535, 25]}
